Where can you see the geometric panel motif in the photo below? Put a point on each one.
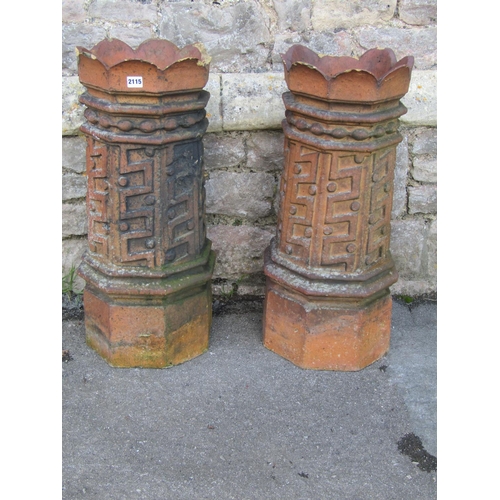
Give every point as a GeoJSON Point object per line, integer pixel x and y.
{"type": "Point", "coordinates": [343, 215]}
{"type": "Point", "coordinates": [322, 207]}
{"type": "Point", "coordinates": [298, 198]}
{"type": "Point", "coordinates": [97, 197]}
{"type": "Point", "coordinates": [379, 217]}
{"type": "Point", "coordinates": [183, 192]}
{"type": "Point", "coordinates": [136, 202]}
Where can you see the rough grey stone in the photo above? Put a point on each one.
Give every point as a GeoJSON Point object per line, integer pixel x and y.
{"type": "Point", "coordinates": [72, 110]}
{"type": "Point", "coordinates": [332, 14]}
{"type": "Point", "coordinates": [73, 11]}
{"type": "Point", "coordinates": [340, 43]}
{"type": "Point", "coordinates": [247, 195]}
{"type": "Point", "coordinates": [432, 251]}
{"type": "Point", "coordinates": [73, 153]}
{"type": "Point", "coordinates": [294, 15]}
{"type": "Point", "coordinates": [252, 101]}
{"type": "Point", "coordinates": [265, 151]}
{"type": "Point", "coordinates": [132, 35]}
{"type": "Point", "coordinates": [421, 43]}
{"type": "Point", "coordinates": [422, 199]}
{"type": "Point", "coordinates": [223, 150]}
{"type": "Point", "coordinates": [74, 35]}
{"type": "Point", "coordinates": [239, 249]}
{"type": "Point", "coordinates": [73, 187]}
{"type": "Point", "coordinates": [277, 201]}
{"type": "Point", "coordinates": [252, 289]}
{"type": "Point", "coordinates": [413, 287]}
{"type": "Point", "coordinates": [407, 245]}
{"type": "Point", "coordinates": [72, 251]}
{"type": "Point", "coordinates": [424, 141]}
{"type": "Point", "coordinates": [74, 219]}
{"type": "Point", "coordinates": [421, 100]}
{"type": "Point", "coordinates": [213, 107]}
{"type": "Point", "coordinates": [424, 169]}
{"type": "Point", "coordinates": [418, 12]}
{"type": "Point", "coordinates": [400, 178]}
{"type": "Point", "coordinates": [236, 35]}
{"type": "Point", "coordinates": [123, 10]}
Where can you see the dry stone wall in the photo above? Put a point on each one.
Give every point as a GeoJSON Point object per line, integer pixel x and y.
{"type": "Point", "coordinates": [244, 143]}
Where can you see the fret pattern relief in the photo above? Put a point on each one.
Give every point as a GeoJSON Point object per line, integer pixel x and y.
{"type": "Point", "coordinates": [136, 200]}
{"type": "Point", "coordinates": [158, 197]}
{"type": "Point", "coordinates": [344, 208]}
{"type": "Point", "coordinates": [184, 229]}
{"type": "Point", "coordinates": [379, 219]}
{"type": "Point", "coordinates": [97, 197]}
{"type": "Point", "coordinates": [336, 208]}
{"type": "Point", "coordinates": [298, 198]}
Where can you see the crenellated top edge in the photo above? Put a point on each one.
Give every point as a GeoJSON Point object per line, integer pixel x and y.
{"type": "Point", "coordinates": [158, 52]}
{"type": "Point", "coordinates": [162, 66]}
{"type": "Point", "coordinates": [375, 76]}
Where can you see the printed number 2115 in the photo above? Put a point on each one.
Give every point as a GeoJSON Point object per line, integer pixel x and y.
{"type": "Point", "coordinates": [134, 81]}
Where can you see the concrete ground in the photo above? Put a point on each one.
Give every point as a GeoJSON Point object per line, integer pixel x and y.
{"type": "Point", "coordinates": [240, 422]}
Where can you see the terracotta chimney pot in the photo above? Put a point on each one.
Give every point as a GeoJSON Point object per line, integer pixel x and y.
{"type": "Point", "coordinates": [329, 268]}
{"type": "Point", "coordinates": [148, 268]}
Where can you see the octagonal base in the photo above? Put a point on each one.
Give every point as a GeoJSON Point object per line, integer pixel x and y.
{"type": "Point", "coordinates": [147, 332]}
{"type": "Point", "coordinates": [325, 333]}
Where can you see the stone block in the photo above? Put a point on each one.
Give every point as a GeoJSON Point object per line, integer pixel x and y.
{"type": "Point", "coordinates": [424, 141]}
{"type": "Point", "coordinates": [73, 187]}
{"type": "Point", "coordinates": [252, 290]}
{"type": "Point", "coordinates": [418, 12]}
{"type": "Point", "coordinates": [132, 37]}
{"type": "Point", "coordinates": [73, 11]}
{"type": "Point", "coordinates": [223, 150]}
{"type": "Point", "coordinates": [422, 199]}
{"type": "Point", "coordinates": [72, 251]}
{"type": "Point", "coordinates": [73, 154]}
{"type": "Point", "coordinates": [123, 10]}
{"type": "Point", "coordinates": [339, 44]}
{"type": "Point", "coordinates": [246, 195]}
{"type": "Point", "coordinates": [253, 101]}
{"type": "Point", "coordinates": [236, 34]}
{"type": "Point", "coordinates": [213, 107]}
{"type": "Point", "coordinates": [424, 169]}
{"type": "Point", "coordinates": [421, 43]}
{"type": "Point", "coordinates": [293, 15]}
{"type": "Point", "coordinates": [333, 14]}
{"type": "Point", "coordinates": [239, 249]}
{"type": "Point", "coordinates": [72, 110]}
{"type": "Point", "coordinates": [421, 100]}
{"type": "Point", "coordinates": [400, 178]}
{"type": "Point", "coordinates": [413, 287]}
{"type": "Point", "coordinates": [74, 219]}
{"type": "Point", "coordinates": [74, 35]}
{"type": "Point", "coordinates": [265, 151]}
{"type": "Point", "coordinates": [432, 251]}
{"type": "Point", "coordinates": [408, 239]}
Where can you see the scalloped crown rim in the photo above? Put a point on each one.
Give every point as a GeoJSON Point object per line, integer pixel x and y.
{"type": "Point", "coordinates": [112, 52]}
{"type": "Point", "coordinates": [330, 67]}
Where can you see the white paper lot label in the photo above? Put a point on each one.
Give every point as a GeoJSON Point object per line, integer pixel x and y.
{"type": "Point", "coordinates": [134, 82]}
